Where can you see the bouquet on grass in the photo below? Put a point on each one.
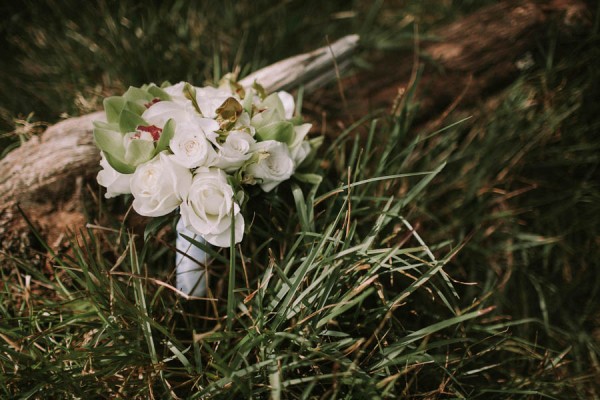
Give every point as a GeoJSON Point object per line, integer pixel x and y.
{"type": "Point", "coordinates": [197, 150]}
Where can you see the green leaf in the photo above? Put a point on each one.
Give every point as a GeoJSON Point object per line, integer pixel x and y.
{"type": "Point", "coordinates": [299, 99]}
{"type": "Point", "coordinates": [140, 301]}
{"type": "Point", "coordinates": [313, 179]}
{"type": "Point", "coordinates": [392, 351]}
{"type": "Point", "coordinates": [303, 213]}
{"type": "Point", "coordinates": [190, 93]}
{"type": "Point", "coordinates": [260, 90]}
{"type": "Point", "coordinates": [165, 136]}
{"type": "Point", "coordinates": [129, 121]}
{"type": "Point", "coordinates": [344, 306]}
{"type": "Point", "coordinates": [282, 131]}
{"type": "Point", "coordinates": [180, 355]}
{"type": "Point", "coordinates": [113, 107]}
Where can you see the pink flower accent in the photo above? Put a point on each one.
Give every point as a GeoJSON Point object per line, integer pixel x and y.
{"type": "Point", "coordinates": [151, 103]}
{"type": "Point", "coordinates": [154, 130]}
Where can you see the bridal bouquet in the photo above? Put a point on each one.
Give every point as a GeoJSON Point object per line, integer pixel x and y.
{"type": "Point", "coordinates": [197, 150]}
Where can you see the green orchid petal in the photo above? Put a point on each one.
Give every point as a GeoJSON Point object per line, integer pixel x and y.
{"type": "Point", "coordinates": [137, 95]}
{"type": "Point", "coordinates": [139, 151]}
{"type": "Point", "coordinates": [113, 107]}
{"type": "Point", "coordinates": [129, 121]}
{"type": "Point", "coordinates": [109, 141]}
{"type": "Point", "coordinates": [106, 125]}
{"type": "Point", "coordinates": [118, 164]}
{"type": "Point", "coordinates": [264, 118]}
{"type": "Point", "coordinates": [273, 102]}
{"type": "Point", "coordinates": [165, 136]}
{"type": "Point", "coordinates": [158, 93]}
{"type": "Point", "coordinates": [135, 107]}
{"type": "Point", "coordinates": [282, 131]}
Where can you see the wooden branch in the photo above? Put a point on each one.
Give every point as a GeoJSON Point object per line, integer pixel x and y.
{"type": "Point", "coordinates": [312, 69]}
{"type": "Point", "coordinates": [46, 167]}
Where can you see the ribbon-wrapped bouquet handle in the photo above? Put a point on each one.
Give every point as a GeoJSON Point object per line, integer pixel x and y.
{"type": "Point", "coordinates": [191, 262]}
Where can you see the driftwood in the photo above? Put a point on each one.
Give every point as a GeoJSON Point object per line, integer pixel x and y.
{"type": "Point", "coordinates": [312, 70]}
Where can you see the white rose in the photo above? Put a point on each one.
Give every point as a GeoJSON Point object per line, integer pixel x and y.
{"type": "Point", "coordinates": [159, 185]}
{"type": "Point", "coordinates": [235, 151]}
{"type": "Point", "coordinates": [176, 93]}
{"type": "Point", "coordinates": [210, 98]}
{"type": "Point", "coordinates": [189, 144]}
{"type": "Point", "coordinates": [159, 113]}
{"type": "Point", "coordinates": [300, 148]}
{"type": "Point", "coordinates": [274, 164]}
{"type": "Point", "coordinates": [287, 100]}
{"type": "Point", "coordinates": [209, 209]}
{"type": "Point", "coordinates": [115, 182]}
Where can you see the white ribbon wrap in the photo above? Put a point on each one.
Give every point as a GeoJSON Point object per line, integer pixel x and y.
{"type": "Point", "coordinates": [191, 263]}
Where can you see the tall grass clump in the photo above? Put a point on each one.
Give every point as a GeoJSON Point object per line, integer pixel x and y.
{"type": "Point", "coordinates": [333, 293]}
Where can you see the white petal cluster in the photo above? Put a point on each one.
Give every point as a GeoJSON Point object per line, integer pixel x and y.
{"type": "Point", "coordinates": [190, 145]}
{"type": "Point", "coordinates": [159, 186]}
{"type": "Point", "coordinates": [196, 149]}
{"type": "Point", "coordinates": [274, 164]}
{"type": "Point", "coordinates": [235, 151]}
{"type": "Point", "coordinates": [210, 210]}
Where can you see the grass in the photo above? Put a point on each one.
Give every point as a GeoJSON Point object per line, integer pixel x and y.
{"type": "Point", "coordinates": [457, 264]}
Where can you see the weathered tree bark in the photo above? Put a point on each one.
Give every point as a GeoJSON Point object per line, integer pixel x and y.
{"type": "Point", "coordinates": [44, 167]}
{"type": "Point", "coordinates": [312, 69]}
